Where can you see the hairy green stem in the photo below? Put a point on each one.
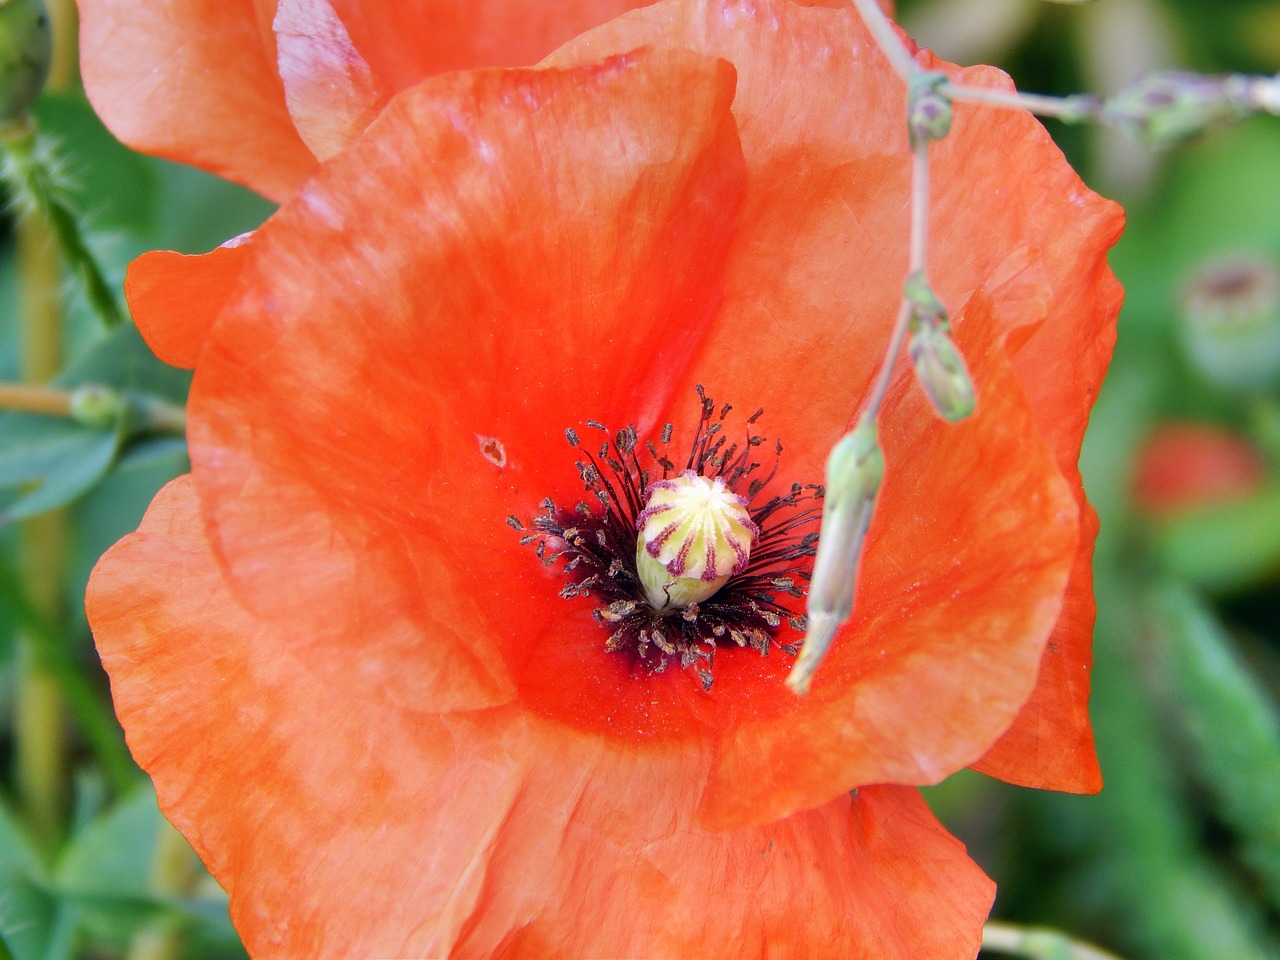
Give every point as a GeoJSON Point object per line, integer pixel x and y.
{"type": "Point", "coordinates": [30, 175]}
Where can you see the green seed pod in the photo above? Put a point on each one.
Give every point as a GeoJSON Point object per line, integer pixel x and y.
{"type": "Point", "coordinates": [26, 50]}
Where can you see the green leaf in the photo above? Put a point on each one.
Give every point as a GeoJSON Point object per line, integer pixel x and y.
{"type": "Point", "coordinates": [1230, 725]}
{"type": "Point", "coordinates": [61, 470]}
{"type": "Point", "coordinates": [1223, 547]}
{"type": "Point", "coordinates": [33, 926]}
{"type": "Point", "coordinates": [106, 872]}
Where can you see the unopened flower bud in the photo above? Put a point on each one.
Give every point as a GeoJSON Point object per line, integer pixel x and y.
{"type": "Point", "coordinates": [26, 50]}
{"type": "Point", "coordinates": [1231, 323]}
{"type": "Point", "coordinates": [855, 470]}
{"type": "Point", "coordinates": [928, 109]}
{"type": "Point", "coordinates": [695, 533]}
{"type": "Point", "coordinates": [1172, 106]}
{"type": "Point", "coordinates": [939, 366]}
{"type": "Point", "coordinates": [942, 372]}
{"type": "Point", "coordinates": [96, 406]}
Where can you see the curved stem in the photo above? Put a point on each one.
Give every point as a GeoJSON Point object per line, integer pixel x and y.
{"type": "Point", "coordinates": [1037, 944]}
{"type": "Point", "coordinates": [916, 264]}
{"type": "Point", "coordinates": [886, 39]}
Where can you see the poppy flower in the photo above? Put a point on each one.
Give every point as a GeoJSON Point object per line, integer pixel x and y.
{"type": "Point", "coordinates": [390, 728]}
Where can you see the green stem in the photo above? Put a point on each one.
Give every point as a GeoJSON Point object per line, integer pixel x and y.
{"type": "Point", "coordinates": [22, 398]}
{"type": "Point", "coordinates": [30, 176]}
{"type": "Point", "coordinates": [1037, 944]}
{"type": "Point", "coordinates": [40, 750]}
{"type": "Point", "coordinates": [149, 414]}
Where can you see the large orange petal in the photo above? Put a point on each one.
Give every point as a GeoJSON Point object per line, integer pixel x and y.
{"type": "Point", "coordinates": [343, 825]}
{"type": "Point", "coordinates": [503, 256]}
{"type": "Point", "coordinates": [175, 298]}
{"type": "Point", "coordinates": [409, 40]}
{"type": "Point", "coordinates": [1050, 745]}
{"type": "Point", "coordinates": [193, 81]}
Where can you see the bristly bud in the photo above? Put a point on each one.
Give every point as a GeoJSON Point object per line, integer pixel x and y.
{"type": "Point", "coordinates": [1230, 315]}
{"type": "Point", "coordinates": [855, 469]}
{"type": "Point", "coordinates": [26, 50]}
{"type": "Point", "coordinates": [1169, 107]}
{"type": "Point", "coordinates": [939, 366]}
{"type": "Point", "coordinates": [695, 533]}
{"type": "Point", "coordinates": [928, 109]}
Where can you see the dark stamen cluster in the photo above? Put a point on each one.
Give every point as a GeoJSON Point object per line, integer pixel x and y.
{"type": "Point", "coordinates": [596, 539]}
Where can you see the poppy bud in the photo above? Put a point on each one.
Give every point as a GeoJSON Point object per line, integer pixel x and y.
{"type": "Point", "coordinates": [695, 533]}
{"type": "Point", "coordinates": [96, 406]}
{"type": "Point", "coordinates": [1230, 325]}
{"type": "Point", "coordinates": [928, 110]}
{"type": "Point", "coordinates": [26, 51]}
{"type": "Point", "coordinates": [1172, 106]}
{"type": "Point", "coordinates": [939, 366]}
{"type": "Point", "coordinates": [855, 469]}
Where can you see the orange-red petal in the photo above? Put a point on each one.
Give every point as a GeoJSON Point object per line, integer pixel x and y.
{"type": "Point", "coordinates": [331, 91]}
{"type": "Point", "coordinates": [344, 825]}
{"type": "Point", "coordinates": [503, 256]}
{"type": "Point", "coordinates": [406, 42]}
{"type": "Point", "coordinates": [193, 81]}
{"type": "Point", "coordinates": [175, 298]}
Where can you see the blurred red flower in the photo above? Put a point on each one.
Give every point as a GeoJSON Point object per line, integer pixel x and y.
{"type": "Point", "coordinates": [365, 703]}
{"type": "Point", "coordinates": [1182, 466]}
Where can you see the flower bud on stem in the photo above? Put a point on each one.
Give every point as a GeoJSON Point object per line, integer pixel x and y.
{"type": "Point", "coordinates": [1172, 106]}
{"type": "Point", "coordinates": [939, 366]}
{"type": "Point", "coordinates": [855, 469]}
{"type": "Point", "coordinates": [928, 108]}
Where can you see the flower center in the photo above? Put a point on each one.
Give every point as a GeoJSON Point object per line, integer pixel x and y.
{"type": "Point", "coordinates": [694, 535]}
{"type": "Point", "coordinates": [681, 561]}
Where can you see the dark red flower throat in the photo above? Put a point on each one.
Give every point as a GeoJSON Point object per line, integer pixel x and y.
{"type": "Point", "coordinates": [599, 537]}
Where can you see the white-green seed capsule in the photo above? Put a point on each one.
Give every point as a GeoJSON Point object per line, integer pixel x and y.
{"type": "Point", "coordinates": [695, 533]}
{"type": "Point", "coordinates": [26, 50]}
{"type": "Point", "coordinates": [855, 469]}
